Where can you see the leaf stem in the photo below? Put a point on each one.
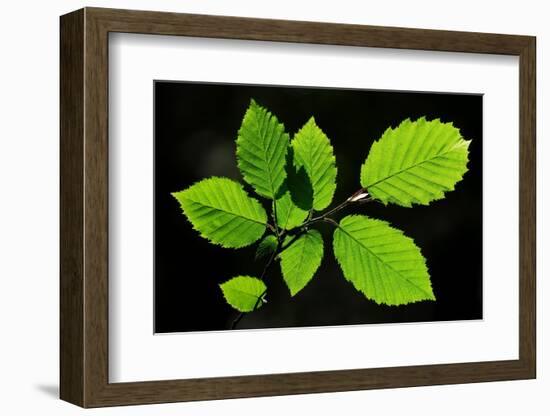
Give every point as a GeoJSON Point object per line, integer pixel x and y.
{"type": "Point", "coordinates": [360, 196]}
{"type": "Point", "coordinates": [331, 221]}
{"type": "Point", "coordinates": [262, 276]}
{"type": "Point", "coordinates": [277, 233]}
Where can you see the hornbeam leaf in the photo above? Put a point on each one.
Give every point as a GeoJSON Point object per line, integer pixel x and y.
{"type": "Point", "coordinates": [313, 151]}
{"type": "Point", "coordinates": [244, 293]}
{"type": "Point", "coordinates": [289, 216]}
{"type": "Point", "coordinates": [301, 259]}
{"type": "Point", "coordinates": [381, 262]}
{"type": "Point", "coordinates": [261, 150]}
{"type": "Point", "coordinates": [298, 183]}
{"type": "Point", "coordinates": [266, 247]}
{"type": "Point", "coordinates": [415, 163]}
{"type": "Point", "coordinates": [222, 212]}
{"type": "Point", "coordinates": [293, 206]}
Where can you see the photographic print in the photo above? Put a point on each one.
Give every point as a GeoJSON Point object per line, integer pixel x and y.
{"type": "Point", "coordinates": [284, 206]}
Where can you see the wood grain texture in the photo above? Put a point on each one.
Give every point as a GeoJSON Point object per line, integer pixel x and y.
{"type": "Point", "coordinates": [84, 207]}
{"type": "Point", "coordinates": [162, 23]}
{"type": "Point", "coordinates": [527, 208]}
{"type": "Point", "coordinates": [72, 214]}
{"type": "Point", "coordinates": [96, 218]}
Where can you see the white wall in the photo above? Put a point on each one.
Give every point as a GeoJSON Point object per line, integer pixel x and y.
{"type": "Point", "coordinates": [29, 206]}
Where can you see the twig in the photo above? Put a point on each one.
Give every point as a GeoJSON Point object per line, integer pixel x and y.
{"type": "Point", "coordinates": [361, 196]}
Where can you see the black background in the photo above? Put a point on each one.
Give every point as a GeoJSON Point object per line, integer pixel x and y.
{"type": "Point", "coordinates": [195, 130]}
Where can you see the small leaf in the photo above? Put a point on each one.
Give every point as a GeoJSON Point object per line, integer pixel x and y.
{"type": "Point", "coordinates": [381, 262]}
{"type": "Point", "coordinates": [261, 150]}
{"type": "Point", "coordinates": [289, 216]}
{"type": "Point", "coordinates": [301, 259]}
{"type": "Point", "coordinates": [244, 293]}
{"type": "Point", "coordinates": [298, 183]}
{"type": "Point", "coordinates": [266, 247]}
{"type": "Point", "coordinates": [297, 196]}
{"type": "Point", "coordinates": [313, 151]}
{"type": "Point", "coordinates": [222, 212]}
{"type": "Point", "coordinates": [416, 163]}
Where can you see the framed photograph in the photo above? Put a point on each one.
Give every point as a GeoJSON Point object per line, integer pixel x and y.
{"type": "Point", "coordinates": [255, 207]}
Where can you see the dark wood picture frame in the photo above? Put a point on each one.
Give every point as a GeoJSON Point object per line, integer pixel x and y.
{"type": "Point", "coordinates": [84, 207]}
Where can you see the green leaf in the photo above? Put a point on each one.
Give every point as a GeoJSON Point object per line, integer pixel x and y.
{"type": "Point", "coordinates": [298, 183]}
{"type": "Point", "coordinates": [313, 151]}
{"type": "Point", "coordinates": [222, 212]}
{"type": "Point", "coordinates": [289, 216]}
{"type": "Point", "coordinates": [261, 149]}
{"type": "Point", "coordinates": [381, 262]}
{"type": "Point", "coordinates": [415, 163]}
{"type": "Point", "coordinates": [267, 246]}
{"type": "Point", "coordinates": [244, 293]}
{"type": "Point", "coordinates": [297, 196]}
{"type": "Point", "coordinates": [301, 259]}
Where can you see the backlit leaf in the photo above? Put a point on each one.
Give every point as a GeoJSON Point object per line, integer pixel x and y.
{"type": "Point", "coordinates": [313, 151]}
{"type": "Point", "coordinates": [415, 163]}
{"type": "Point", "coordinates": [261, 150]}
{"type": "Point", "coordinates": [289, 216]}
{"type": "Point", "coordinates": [298, 183]}
{"type": "Point", "coordinates": [244, 293]}
{"type": "Point", "coordinates": [222, 212]}
{"type": "Point", "coordinates": [301, 259]}
{"type": "Point", "coordinates": [297, 196]}
{"type": "Point", "coordinates": [266, 247]}
{"type": "Point", "coordinates": [381, 262]}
